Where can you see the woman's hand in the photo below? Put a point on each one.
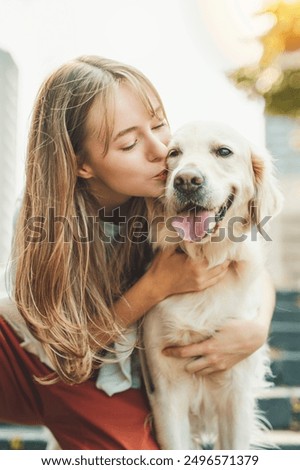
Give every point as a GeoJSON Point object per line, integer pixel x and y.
{"type": "Point", "coordinates": [176, 273]}
{"type": "Point", "coordinates": [235, 341]}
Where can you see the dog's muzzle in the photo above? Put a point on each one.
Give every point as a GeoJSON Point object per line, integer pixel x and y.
{"type": "Point", "coordinates": [194, 221]}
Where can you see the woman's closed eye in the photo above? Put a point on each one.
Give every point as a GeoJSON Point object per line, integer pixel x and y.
{"type": "Point", "coordinates": [161, 124]}
{"type": "Point", "coordinates": [129, 147]}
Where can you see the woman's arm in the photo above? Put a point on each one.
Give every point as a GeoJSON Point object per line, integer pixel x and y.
{"type": "Point", "coordinates": [170, 273]}
{"type": "Point", "coordinates": [234, 342]}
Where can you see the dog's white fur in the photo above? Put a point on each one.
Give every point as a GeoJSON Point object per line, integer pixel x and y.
{"type": "Point", "coordinates": [189, 409]}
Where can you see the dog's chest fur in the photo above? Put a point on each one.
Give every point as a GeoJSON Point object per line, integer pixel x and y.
{"type": "Point", "coordinates": [188, 318]}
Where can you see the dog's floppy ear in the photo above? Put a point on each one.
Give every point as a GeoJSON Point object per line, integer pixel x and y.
{"type": "Point", "coordinates": [268, 198]}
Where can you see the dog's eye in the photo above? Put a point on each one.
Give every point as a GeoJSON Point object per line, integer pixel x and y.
{"type": "Point", "coordinates": [224, 152]}
{"type": "Point", "coordinates": [174, 153]}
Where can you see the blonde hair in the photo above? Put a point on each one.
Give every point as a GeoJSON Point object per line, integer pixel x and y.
{"type": "Point", "coordinates": [65, 289]}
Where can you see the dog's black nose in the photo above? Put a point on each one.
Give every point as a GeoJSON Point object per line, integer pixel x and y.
{"type": "Point", "coordinates": [188, 180]}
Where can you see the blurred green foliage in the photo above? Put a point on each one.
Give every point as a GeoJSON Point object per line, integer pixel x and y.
{"type": "Point", "coordinates": [276, 77]}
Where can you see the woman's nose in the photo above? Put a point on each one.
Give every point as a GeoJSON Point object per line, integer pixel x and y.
{"type": "Point", "coordinates": [157, 149]}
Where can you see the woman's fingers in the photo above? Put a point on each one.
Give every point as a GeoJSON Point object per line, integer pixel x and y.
{"type": "Point", "coordinates": [230, 345]}
{"type": "Point", "coordinates": [191, 350]}
{"type": "Point", "coordinates": [214, 280]}
{"type": "Point", "coordinates": [204, 277]}
{"type": "Point", "coordinates": [176, 273]}
{"type": "Point", "coordinates": [203, 361]}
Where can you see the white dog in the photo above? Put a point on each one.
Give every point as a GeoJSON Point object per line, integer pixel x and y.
{"type": "Point", "coordinates": [218, 187]}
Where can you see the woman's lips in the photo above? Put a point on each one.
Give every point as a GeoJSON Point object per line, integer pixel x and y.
{"type": "Point", "coordinates": [162, 175]}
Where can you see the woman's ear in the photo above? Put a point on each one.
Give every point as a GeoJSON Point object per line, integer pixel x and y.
{"type": "Point", "coordinates": [268, 199]}
{"type": "Point", "coordinates": [85, 171]}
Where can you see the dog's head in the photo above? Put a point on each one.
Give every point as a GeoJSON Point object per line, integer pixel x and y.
{"type": "Point", "coordinates": [215, 176]}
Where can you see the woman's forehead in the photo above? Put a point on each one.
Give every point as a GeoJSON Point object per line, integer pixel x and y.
{"type": "Point", "coordinates": [123, 100]}
{"type": "Point", "coordinates": [136, 96]}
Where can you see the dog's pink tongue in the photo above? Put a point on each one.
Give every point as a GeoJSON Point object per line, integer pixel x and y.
{"type": "Point", "coordinates": [193, 227]}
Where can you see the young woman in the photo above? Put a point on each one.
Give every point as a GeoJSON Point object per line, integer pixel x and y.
{"type": "Point", "coordinates": [97, 148]}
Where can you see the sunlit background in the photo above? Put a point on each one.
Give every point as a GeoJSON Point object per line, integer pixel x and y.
{"type": "Point", "coordinates": [198, 53]}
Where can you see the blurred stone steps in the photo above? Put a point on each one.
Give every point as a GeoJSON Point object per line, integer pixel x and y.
{"type": "Point", "coordinates": [281, 403]}
{"type": "Point", "coordinates": [285, 335]}
{"type": "Point", "coordinates": [286, 367]}
{"type": "Point", "coordinates": [18, 437]}
{"type": "Point", "coordinates": [281, 407]}
{"type": "Point", "coordinates": [287, 306]}
{"type": "Point", "coordinates": [286, 440]}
